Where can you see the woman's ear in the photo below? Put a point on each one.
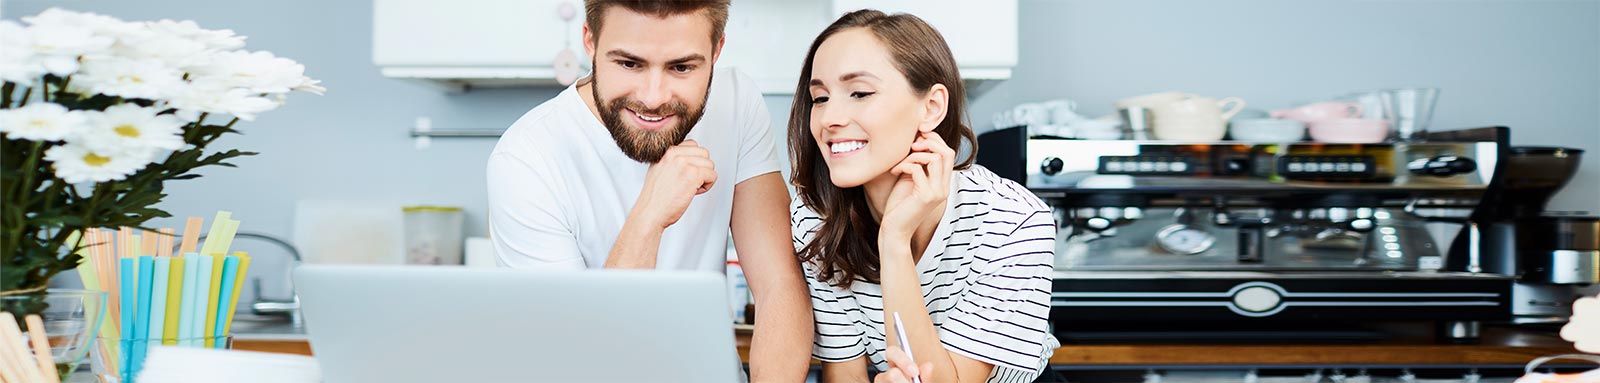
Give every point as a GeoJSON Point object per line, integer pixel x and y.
{"type": "Point", "coordinates": [934, 106]}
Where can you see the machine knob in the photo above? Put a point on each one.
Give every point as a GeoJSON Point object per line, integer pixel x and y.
{"type": "Point", "coordinates": [1442, 166]}
{"type": "Point", "coordinates": [1098, 223]}
{"type": "Point", "coordinates": [1360, 225]}
{"type": "Point", "coordinates": [1052, 165]}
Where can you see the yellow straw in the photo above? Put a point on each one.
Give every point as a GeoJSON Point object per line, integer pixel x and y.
{"type": "Point", "coordinates": [238, 284]}
{"type": "Point", "coordinates": [174, 301]}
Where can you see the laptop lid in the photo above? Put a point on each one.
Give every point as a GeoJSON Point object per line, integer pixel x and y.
{"type": "Point", "coordinates": [451, 324]}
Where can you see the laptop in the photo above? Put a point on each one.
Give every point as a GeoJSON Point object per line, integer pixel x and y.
{"type": "Point", "coordinates": [452, 324]}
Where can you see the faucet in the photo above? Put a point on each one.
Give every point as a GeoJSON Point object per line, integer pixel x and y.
{"type": "Point", "coordinates": [260, 306]}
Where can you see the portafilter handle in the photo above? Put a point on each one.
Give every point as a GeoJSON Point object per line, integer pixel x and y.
{"type": "Point", "coordinates": [1252, 242]}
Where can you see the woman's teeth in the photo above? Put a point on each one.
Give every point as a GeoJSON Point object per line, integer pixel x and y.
{"type": "Point", "coordinates": [847, 146]}
{"type": "Point", "coordinates": [649, 118]}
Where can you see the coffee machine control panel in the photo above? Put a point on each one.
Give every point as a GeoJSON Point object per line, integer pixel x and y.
{"type": "Point", "coordinates": [1320, 167]}
{"type": "Point", "coordinates": [1157, 165]}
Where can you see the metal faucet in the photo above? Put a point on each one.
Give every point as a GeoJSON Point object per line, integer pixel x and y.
{"type": "Point", "coordinates": [261, 306]}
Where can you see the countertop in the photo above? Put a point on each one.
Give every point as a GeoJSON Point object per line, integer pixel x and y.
{"type": "Point", "coordinates": [1498, 346]}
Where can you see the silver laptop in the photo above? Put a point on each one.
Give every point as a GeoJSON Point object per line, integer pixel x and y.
{"type": "Point", "coordinates": [449, 324]}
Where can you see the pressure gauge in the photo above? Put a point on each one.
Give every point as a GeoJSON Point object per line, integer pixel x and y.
{"type": "Point", "coordinates": [1185, 239]}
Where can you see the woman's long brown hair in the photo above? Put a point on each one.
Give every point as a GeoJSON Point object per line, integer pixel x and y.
{"type": "Point", "coordinates": [845, 246]}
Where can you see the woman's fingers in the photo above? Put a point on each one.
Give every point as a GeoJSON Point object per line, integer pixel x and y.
{"type": "Point", "coordinates": [899, 362]}
{"type": "Point", "coordinates": [923, 158]}
{"type": "Point", "coordinates": [936, 143]}
{"type": "Point", "coordinates": [919, 178]}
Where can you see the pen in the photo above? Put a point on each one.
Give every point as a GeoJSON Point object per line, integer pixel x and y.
{"type": "Point", "coordinates": [900, 329]}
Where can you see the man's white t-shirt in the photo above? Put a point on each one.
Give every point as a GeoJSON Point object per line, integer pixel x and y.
{"type": "Point", "coordinates": [560, 189]}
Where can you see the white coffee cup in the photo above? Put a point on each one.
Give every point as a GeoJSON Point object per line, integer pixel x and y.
{"type": "Point", "coordinates": [1194, 118]}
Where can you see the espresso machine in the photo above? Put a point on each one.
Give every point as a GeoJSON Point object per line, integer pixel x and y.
{"type": "Point", "coordinates": [1262, 239]}
{"type": "Point", "coordinates": [1551, 254]}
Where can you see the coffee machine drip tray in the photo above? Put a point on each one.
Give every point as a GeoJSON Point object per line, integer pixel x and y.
{"type": "Point", "coordinates": [1167, 299]}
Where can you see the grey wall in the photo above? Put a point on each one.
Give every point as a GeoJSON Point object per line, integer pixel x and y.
{"type": "Point", "coordinates": [1531, 65]}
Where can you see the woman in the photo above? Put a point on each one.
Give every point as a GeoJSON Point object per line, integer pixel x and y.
{"type": "Point", "coordinates": [889, 222]}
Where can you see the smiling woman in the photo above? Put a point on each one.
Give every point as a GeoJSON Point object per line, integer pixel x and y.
{"type": "Point", "coordinates": [889, 224]}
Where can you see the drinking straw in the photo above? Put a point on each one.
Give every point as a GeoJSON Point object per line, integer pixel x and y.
{"type": "Point", "coordinates": [238, 284]}
{"type": "Point", "coordinates": [107, 268]}
{"type": "Point", "coordinates": [174, 300]}
{"type": "Point", "coordinates": [124, 242]}
{"type": "Point", "coordinates": [202, 287]}
{"type": "Point", "coordinates": [230, 267]}
{"type": "Point", "coordinates": [41, 349]}
{"type": "Point", "coordinates": [141, 315]}
{"type": "Point", "coordinates": [129, 268]}
{"type": "Point", "coordinates": [212, 291]}
{"type": "Point", "coordinates": [158, 300]}
{"type": "Point", "coordinates": [16, 351]}
{"type": "Point", "coordinates": [92, 270]}
{"type": "Point", "coordinates": [214, 236]}
{"type": "Point", "coordinates": [148, 242]}
{"type": "Point", "coordinates": [191, 283]}
{"type": "Point", "coordinates": [191, 235]}
{"type": "Point", "coordinates": [164, 245]}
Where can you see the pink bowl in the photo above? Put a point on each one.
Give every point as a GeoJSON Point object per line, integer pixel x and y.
{"type": "Point", "coordinates": [1350, 131]}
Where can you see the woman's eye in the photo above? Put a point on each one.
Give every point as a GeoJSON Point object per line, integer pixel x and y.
{"type": "Point", "coordinates": [819, 100]}
{"type": "Point", "coordinates": [860, 94]}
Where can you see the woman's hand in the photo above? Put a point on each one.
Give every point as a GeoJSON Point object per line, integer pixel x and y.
{"type": "Point", "coordinates": [901, 370]}
{"type": "Point", "coordinates": [922, 186]}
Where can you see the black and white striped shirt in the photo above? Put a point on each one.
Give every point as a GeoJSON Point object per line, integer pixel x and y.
{"type": "Point", "coordinates": [985, 277]}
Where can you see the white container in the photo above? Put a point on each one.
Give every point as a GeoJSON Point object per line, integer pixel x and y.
{"type": "Point", "coordinates": [433, 235]}
{"type": "Point", "coordinates": [1268, 130]}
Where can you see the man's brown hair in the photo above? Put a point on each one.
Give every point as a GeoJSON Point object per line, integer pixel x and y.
{"type": "Point", "coordinates": [715, 10]}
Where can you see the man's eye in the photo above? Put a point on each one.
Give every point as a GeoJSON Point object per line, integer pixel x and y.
{"type": "Point", "coordinates": [819, 100]}
{"type": "Point", "coordinates": [628, 64]}
{"type": "Point", "coordinates": [860, 94]}
{"type": "Point", "coordinates": [681, 68]}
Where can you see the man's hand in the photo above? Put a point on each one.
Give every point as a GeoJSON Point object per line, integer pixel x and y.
{"type": "Point", "coordinates": [684, 172]}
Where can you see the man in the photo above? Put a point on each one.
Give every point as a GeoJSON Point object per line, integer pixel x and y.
{"type": "Point", "coordinates": [649, 163]}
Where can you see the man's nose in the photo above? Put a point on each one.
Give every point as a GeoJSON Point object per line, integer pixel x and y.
{"type": "Point", "coordinates": [655, 93]}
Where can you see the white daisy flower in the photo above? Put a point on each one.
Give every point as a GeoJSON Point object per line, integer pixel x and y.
{"type": "Point", "coordinates": [57, 38]}
{"type": "Point", "coordinates": [260, 71]}
{"type": "Point", "coordinates": [175, 51]}
{"type": "Point", "coordinates": [219, 40]}
{"type": "Point", "coordinates": [309, 86]}
{"type": "Point", "coordinates": [77, 163]}
{"type": "Point", "coordinates": [41, 121]}
{"type": "Point", "coordinates": [17, 63]}
{"type": "Point", "coordinates": [129, 78]}
{"type": "Point", "coordinates": [98, 24]}
{"type": "Point", "coordinates": [130, 128]}
{"type": "Point", "coordinates": [210, 96]}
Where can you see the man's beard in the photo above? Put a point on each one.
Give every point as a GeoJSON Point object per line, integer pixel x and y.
{"type": "Point", "coordinates": [639, 144]}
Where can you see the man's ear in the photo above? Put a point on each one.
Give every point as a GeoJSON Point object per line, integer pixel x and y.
{"type": "Point", "coordinates": [716, 50]}
{"type": "Point", "coordinates": [934, 106]}
{"type": "Point", "coordinates": [589, 42]}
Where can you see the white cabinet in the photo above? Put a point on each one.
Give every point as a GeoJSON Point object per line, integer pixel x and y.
{"type": "Point", "coordinates": [474, 42]}
{"type": "Point", "coordinates": [461, 43]}
{"type": "Point", "coordinates": [982, 34]}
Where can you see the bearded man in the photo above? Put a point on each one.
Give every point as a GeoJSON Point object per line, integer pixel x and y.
{"type": "Point", "coordinates": [651, 162]}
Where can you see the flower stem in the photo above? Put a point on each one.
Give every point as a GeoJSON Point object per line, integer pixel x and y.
{"type": "Point", "coordinates": [188, 136]}
{"type": "Point", "coordinates": [24, 100]}
{"type": "Point", "coordinates": [28, 169]}
{"type": "Point", "coordinates": [5, 94]}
